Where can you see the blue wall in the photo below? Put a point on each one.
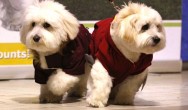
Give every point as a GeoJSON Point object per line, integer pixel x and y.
{"type": "Point", "coordinates": [184, 45]}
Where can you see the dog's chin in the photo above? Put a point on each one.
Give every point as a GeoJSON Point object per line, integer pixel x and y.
{"type": "Point", "coordinates": [40, 48]}
{"type": "Point", "coordinates": [152, 48]}
{"type": "Point", "coordinates": [43, 46]}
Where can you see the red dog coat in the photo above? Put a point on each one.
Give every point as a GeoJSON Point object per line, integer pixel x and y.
{"type": "Point", "coordinates": [103, 48]}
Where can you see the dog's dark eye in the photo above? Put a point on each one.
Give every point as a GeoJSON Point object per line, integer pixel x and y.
{"type": "Point", "coordinates": [33, 24]}
{"type": "Point", "coordinates": [46, 25]}
{"type": "Point", "coordinates": [145, 27]}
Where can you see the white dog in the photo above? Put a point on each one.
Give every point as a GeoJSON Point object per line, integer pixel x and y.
{"type": "Point", "coordinates": [122, 47]}
{"type": "Point", "coordinates": [59, 44]}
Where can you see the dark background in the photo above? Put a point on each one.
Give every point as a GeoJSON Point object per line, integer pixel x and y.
{"type": "Point", "coordinates": [100, 9]}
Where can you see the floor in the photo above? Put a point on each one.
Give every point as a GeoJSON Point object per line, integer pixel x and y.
{"type": "Point", "coordinates": [162, 92]}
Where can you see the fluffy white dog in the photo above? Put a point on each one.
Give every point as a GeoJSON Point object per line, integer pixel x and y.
{"type": "Point", "coordinates": [59, 45]}
{"type": "Point", "coordinates": [122, 47]}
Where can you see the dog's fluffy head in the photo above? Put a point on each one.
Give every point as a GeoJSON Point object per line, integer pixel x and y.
{"type": "Point", "coordinates": [47, 25]}
{"type": "Point", "coordinates": [139, 28]}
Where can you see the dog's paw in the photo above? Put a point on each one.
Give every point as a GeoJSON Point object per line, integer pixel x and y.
{"type": "Point", "coordinates": [50, 99]}
{"type": "Point", "coordinates": [94, 102]}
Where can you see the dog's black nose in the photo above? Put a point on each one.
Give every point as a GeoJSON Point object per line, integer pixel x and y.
{"type": "Point", "coordinates": [156, 39]}
{"type": "Point", "coordinates": [36, 38]}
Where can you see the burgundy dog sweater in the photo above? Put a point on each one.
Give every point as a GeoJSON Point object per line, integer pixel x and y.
{"type": "Point", "coordinates": [72, 61]}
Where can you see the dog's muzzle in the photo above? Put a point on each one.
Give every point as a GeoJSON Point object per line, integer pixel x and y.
{"type": "Point", "coordinates": [36, 38]}
{"type": "Point", "coordinates": [155, 40]}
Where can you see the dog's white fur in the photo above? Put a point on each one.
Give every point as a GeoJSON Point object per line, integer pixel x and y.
{"type": "Point", "coordinates": [62, 26]}
{"type": "Point", "coordinates": [127, 33]}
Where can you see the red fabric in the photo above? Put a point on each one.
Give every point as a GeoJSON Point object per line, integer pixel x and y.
{"type": "Point", "coordinates": [103, 48]}
{"type": "Point", "coordinates": [72, 61]}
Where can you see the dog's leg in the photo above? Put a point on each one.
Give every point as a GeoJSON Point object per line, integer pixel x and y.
{"type": "Point", "coordinates": [99, 85]}
{"type": "Point", "coordinates": [128, 89]}
{"type": "Point", "coordinates": [59, 83]}
{"type": "Point", "coordinates": [80, 88]}
{"type": "Point", "coordinates": [47, 96]}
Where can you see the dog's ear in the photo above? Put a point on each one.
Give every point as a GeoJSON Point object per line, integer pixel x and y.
{"type": "Point", "coordinates": [114, 27]}
{"type": "Point", "coordinates": [134, 20]}
{"type": "Point", "coordinates": [23, 33]}
{"type": "Point", "coordinates": [130, 9]}
{"type": "Point", "coordinates": [71, 27]}
{"type": "Point", "coordinates": [69, 23]}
